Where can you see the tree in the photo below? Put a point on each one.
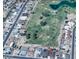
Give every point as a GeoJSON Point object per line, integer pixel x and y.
{"type": "Point", "coordinates": [41, 17]}
{"type": "Point", "coordinates": [28, 36]}
{"type": "Point", "coordinates": [46, 13]}
{"type": "Point", "coordinates": [43, 23]}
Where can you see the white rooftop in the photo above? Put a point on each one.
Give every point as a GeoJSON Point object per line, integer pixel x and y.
{"type": "Point", "coordinates": [23, 17]}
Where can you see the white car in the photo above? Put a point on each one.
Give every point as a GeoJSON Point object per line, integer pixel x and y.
{"type": "Point", "coordinates": [38, 52]}
{"type": "Point", "coordinates": [7, 50]}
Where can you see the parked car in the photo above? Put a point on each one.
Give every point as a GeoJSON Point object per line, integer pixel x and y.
{"type": "Point", "coordinates": [45, 53]}
{"type": "Point", "coordinates": [38, 52]}
{"type": "Point", "coordinates": [7, 50]}
{"type": "Point", "coordinates": [23, 51]}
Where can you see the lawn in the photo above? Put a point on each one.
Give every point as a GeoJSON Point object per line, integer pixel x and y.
{"type": "Point", "coordinates": [44, 26]}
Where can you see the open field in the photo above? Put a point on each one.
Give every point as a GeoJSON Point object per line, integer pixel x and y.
{"type": "Point", "coordinates": [44, 25]}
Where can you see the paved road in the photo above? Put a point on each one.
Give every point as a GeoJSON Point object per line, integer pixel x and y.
{"type": "Point", "coordinates": [73, 44]}
{"type": "Point", "coordinates": [14, 22]}
{"type": "Point", "coordinates": [19, 57]}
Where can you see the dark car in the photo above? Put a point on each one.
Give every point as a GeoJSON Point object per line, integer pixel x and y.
{"type": "Point", "coordinates": [45, 53]}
